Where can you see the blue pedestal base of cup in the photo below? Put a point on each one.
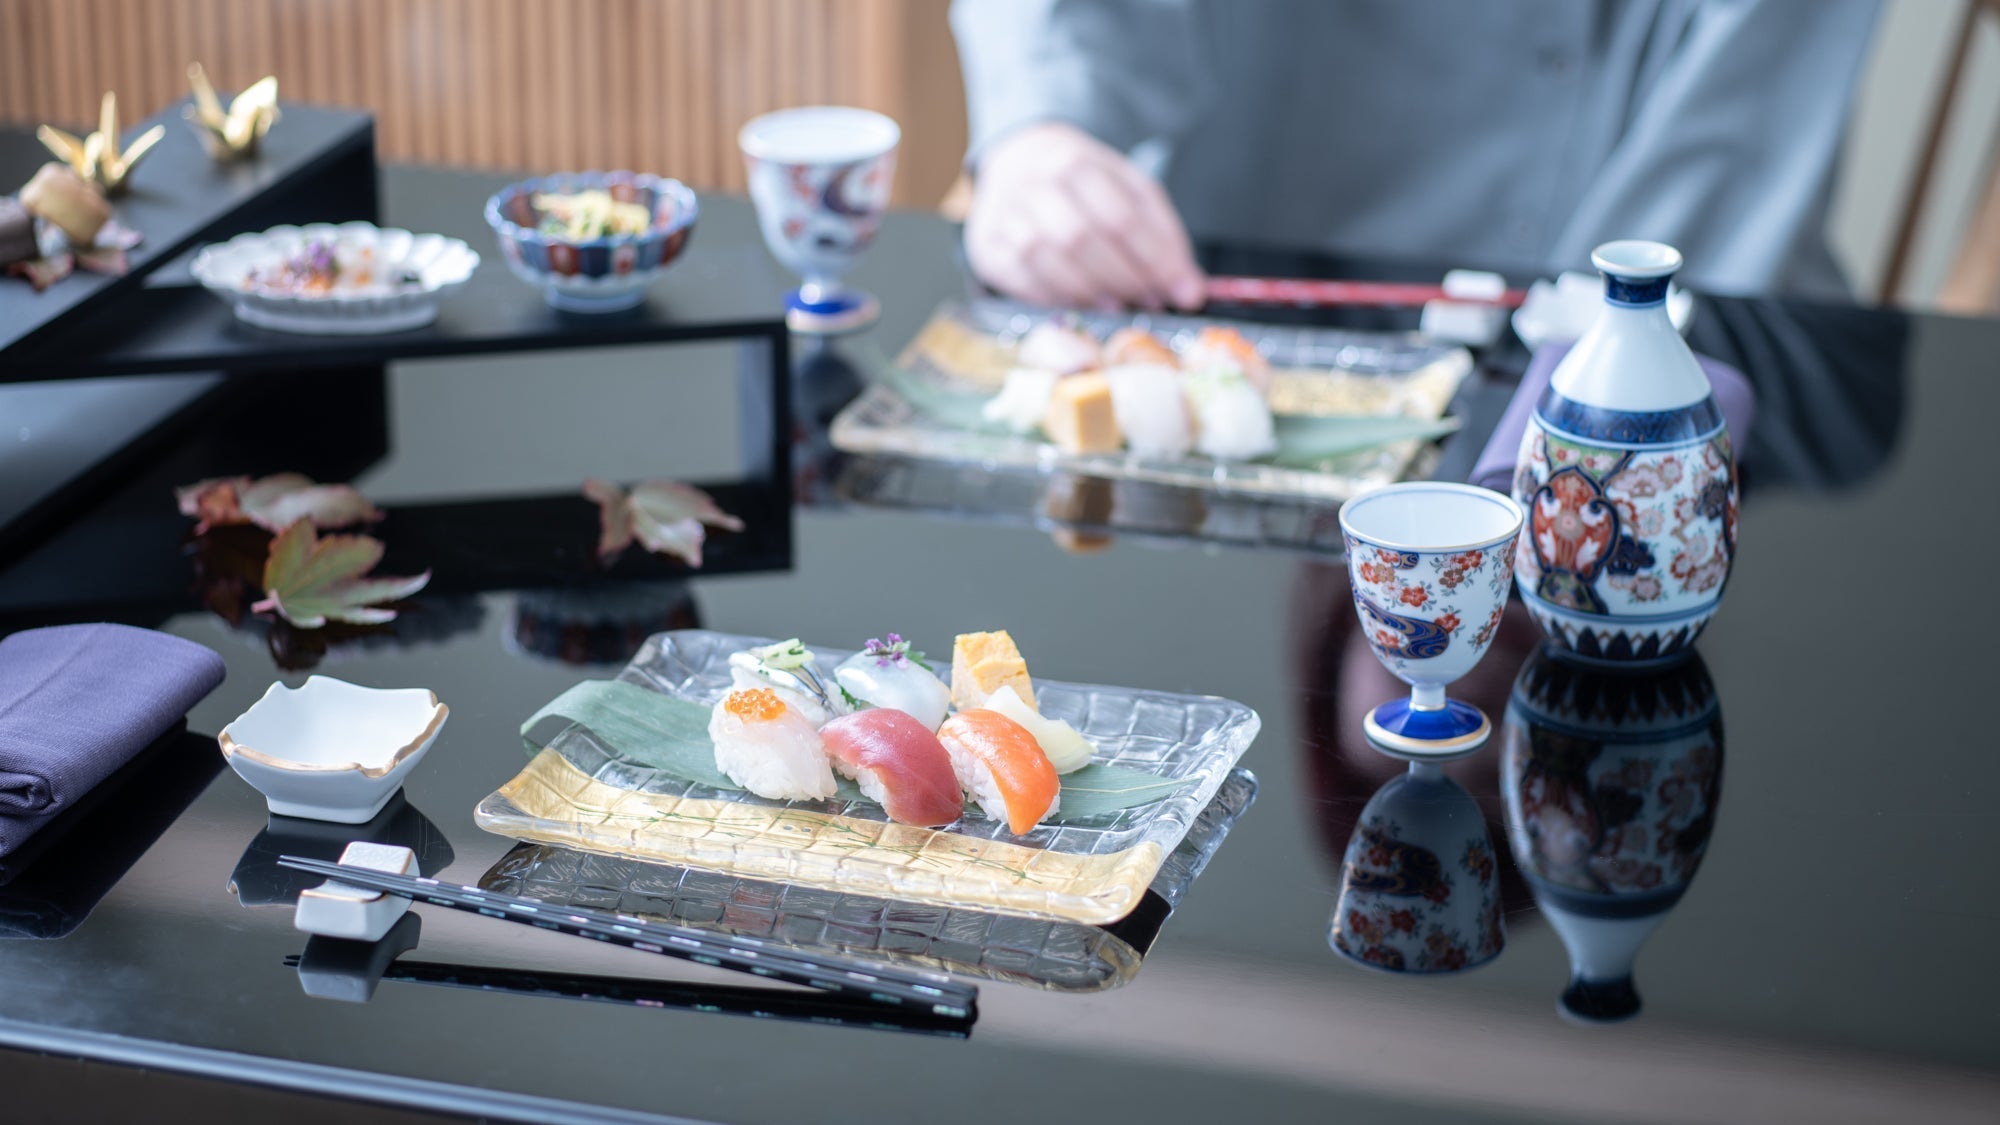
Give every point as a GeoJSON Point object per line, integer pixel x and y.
{"type": "Point", "coordinates": [846, 311]}
{"type": "Point", "coordinates": [1403, 731]}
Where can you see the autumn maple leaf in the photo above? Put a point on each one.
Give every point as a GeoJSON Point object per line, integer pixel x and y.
{"type": "Point", "coordinates": [309, 581]}
{"type": "Point", "coordinates": [273, 503]}
{"type": "Point", "coordinates": [665, 516]}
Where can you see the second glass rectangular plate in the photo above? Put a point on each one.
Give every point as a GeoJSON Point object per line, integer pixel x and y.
{"type": "Point", "coordinates": [579, 794]}
{"type": "Point", "coordinates": [966, 348]}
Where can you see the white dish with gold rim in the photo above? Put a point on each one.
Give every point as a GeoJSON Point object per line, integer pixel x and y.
{"type": "Point", "coordinates": [331, 750]}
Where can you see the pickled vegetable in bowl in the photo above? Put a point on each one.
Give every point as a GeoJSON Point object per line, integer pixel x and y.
{"type": "Point", "coordinates": [589, 214]}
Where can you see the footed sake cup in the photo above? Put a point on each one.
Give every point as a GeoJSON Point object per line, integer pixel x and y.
{"type": "Point", "coordinates": [1626, 474]}
{"type": "Point", "coordinates": [1418, 890]}
{"type": "Point", "coordinates": [1430, 564]}
{"type": "Point", "coordinates": [820, 178]}
{"type": "Point", "coordinates": [1611, 779]}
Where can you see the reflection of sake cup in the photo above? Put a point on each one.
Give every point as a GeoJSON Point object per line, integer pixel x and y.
{"type": "Point", "coordinates": [1430, 564]}
{"type": "Point", "coordinates": [819, 177]}
{"type": "Point", "coordinates": [1611, 779]}
{"type": "Point", "coordinates": [1419, 892]}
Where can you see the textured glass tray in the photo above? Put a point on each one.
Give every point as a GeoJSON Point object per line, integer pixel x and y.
{"type": "Point", "coordinates": [1059, 956]}
{"type": "Point", "coordinates": [578, 794]}
{"type": "Point", "coordinates": [1085, 512]}
{"type": "Point", "coordinates": [966, 348]}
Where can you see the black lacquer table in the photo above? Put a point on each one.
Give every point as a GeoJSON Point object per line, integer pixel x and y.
{"type": "Point", "coordinates": [1830, 960]}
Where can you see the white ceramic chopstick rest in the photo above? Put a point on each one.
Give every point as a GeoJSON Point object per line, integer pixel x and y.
{"type": "Point", "coordinates": [334, 909]}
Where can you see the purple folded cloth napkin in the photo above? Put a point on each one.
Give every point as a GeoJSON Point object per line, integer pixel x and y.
{"type": "Point", "coordinates": [77, 702]}
{"type": "Point", "coordinates": [1495, 468]}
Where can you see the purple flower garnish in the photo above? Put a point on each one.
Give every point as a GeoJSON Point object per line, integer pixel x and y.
{"type": "Point", "coordinates": [890, 653]}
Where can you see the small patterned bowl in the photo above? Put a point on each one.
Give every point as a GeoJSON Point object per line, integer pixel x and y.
{"type": "Point", "coordinates": [596, 274]}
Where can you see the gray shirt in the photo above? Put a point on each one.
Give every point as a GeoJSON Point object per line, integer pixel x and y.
{"type": "Point", "coordinates": [1475, 132]}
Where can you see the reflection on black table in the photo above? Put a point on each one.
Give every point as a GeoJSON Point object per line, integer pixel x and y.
{"type": "Point", "coordinates": [1612, 778]}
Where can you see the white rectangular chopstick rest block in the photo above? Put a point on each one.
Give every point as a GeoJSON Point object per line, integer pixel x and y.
{"type": "Point", "coordinates": [1461, 322]}
{"type": "Point", "coordinates": [1474, 285]}
{"type": "Point", "coordinates": [335, 909]}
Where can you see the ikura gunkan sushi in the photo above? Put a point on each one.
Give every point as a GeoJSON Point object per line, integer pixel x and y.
{"type": "Point", "coordinates": [999, 764]}
{"type": "Point", "coordinates": [898, 763]}
{"type": "Point", "coordinates": [768, 748]}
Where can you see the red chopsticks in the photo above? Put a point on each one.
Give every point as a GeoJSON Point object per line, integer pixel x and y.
{"type": "Point", "coordinates": [1309, 293]}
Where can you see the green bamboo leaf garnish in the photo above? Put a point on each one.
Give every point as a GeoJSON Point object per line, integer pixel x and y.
{"type": "Point", "coordinates": [670, 734]}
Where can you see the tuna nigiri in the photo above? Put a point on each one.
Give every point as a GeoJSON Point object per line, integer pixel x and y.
{"type": "Point", "coordinates": [892, 674]}
{"type": "Point", "coordinates": [768, 748]}
{"type": "Point", "coordinates": [999, 764]}
{"type": "Point", "coordinates": [898, 763]}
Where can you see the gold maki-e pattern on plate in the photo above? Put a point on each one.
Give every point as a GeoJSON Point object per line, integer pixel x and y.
{"type": "Point", "coordinates": [552, 801]}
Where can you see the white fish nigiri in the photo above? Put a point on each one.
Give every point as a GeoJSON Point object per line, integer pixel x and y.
{"type": "Point", "coordinates": [768, 748]}
{"type": "Point", "coordinates": [1022, 400]}
{"type": "Point", "coordinates": [788, 669]}
{"type": "Point", "coordinates": [1233, 420]}
{"type": "Point", "coordinates": [1067, 750]}
{"type": "Point", "coordinates": [1151, 410]}
{"type": "Point", "coordinates": [1055, 347]}
{"type": "Point", "coordinates": [892, 675]}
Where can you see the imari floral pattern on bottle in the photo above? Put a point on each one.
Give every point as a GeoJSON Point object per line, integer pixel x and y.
{"type": "Point", "coordinates": [1627, 548]}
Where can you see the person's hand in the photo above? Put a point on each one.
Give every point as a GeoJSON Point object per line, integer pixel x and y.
{"type": "Point", "coordinates": [1060, 218]}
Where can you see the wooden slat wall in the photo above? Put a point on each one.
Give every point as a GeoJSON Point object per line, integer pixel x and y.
{"type": "Point", "coordinates": [533, 85]}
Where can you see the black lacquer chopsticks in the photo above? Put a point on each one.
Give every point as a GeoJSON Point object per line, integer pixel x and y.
{"type": "Point", "coordinates": [907, 989]}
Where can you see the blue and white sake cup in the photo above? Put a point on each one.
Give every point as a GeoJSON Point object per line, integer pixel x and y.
{"type": "Point", "coordinates": [820, 179]}
{"type": "Point", "coordinates": [1430, 563]}
{"type": "Point", "coordinates": [1419, 887]}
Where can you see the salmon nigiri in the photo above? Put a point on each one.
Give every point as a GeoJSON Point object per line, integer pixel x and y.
{"type": "Point", "coordinates": [898, 763]}
{"type": "Point", "coordinates": [1001, 766]}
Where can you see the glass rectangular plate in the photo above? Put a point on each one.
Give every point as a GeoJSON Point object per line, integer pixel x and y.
{"type": "Point", "coordinates": [1034, 952]}
{"type": "Point", "coordinates": [967, 347]}
{"type": "Point", "coordinates": [578, 794]}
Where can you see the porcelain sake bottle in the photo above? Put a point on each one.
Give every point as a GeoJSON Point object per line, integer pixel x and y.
{"type": "Point", "coordinates": [1626, 476]}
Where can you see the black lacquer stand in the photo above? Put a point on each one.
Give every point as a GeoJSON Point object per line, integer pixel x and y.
{"type": "Point", "coordinates": [319, 165]}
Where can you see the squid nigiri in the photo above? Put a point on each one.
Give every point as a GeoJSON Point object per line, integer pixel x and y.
{"type": "Point", "coordinates": [898, 763]}
{"type": "Point", "coordinates": [1233, 420]}
{"type": "Point", "coordinates": [768, 748]}
{"type": "Point", "coordinates": [892, 674]}
{"type": "Point", "coordinates": [1151, 410]}
{"type": "Point", "coordinates": [999, 764]}
{"type": "Point", "coordinates": [1067, 750]}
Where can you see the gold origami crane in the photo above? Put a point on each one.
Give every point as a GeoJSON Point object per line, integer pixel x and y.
{"type": "Point", "coordinates": [96, 157]}
{"type": "Point", "coordinates": [235, 132]}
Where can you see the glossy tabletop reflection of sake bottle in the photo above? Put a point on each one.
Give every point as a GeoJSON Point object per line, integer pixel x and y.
{"type": "Point", "coordinates": [1627, 479]}
{"type": "Point", "coordinates": [1612, 779]}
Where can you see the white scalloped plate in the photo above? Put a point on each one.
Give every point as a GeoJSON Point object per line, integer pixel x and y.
{"type": "Point", "coordinates": [439, 265]}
